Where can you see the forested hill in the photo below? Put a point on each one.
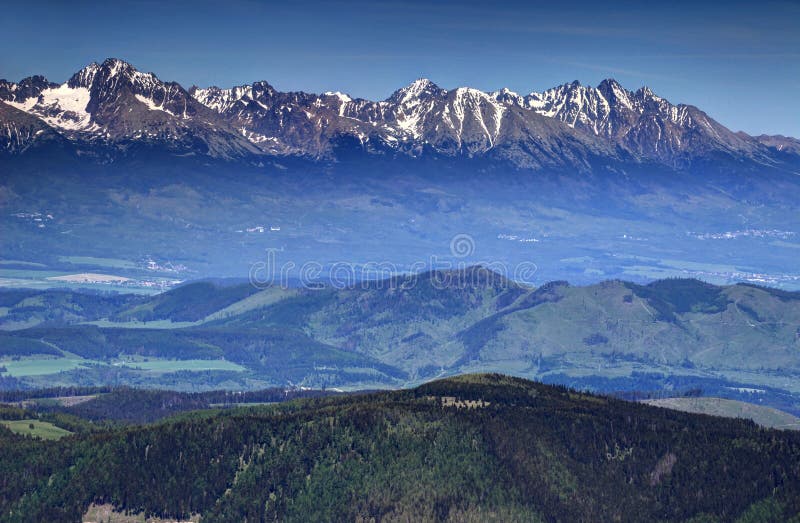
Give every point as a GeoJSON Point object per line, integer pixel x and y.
{"type": "Point", "coordinates": [738, 342]}
{"type": "Point", "coordinates": [472, 448]}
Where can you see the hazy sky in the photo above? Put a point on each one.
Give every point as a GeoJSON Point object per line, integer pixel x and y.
{"type": "Point", "coordinates": [738, 61]}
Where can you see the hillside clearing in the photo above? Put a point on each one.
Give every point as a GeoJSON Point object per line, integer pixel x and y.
{"type": "Point", "coordinates": [41, 429]}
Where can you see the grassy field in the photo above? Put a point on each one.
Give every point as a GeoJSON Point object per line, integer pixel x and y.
{"type": "Point", "coordinates": [155, 324]}
{"type": "Point", "coordinates": [23, 263]}
{"type": "Point", "coordinates": [98, 262]}
{"type": "Point", "coordinates": [44, 366]}
{"type": "Point", "coordinates": [30, 274]}
{"type": "Point", "coordinates": [16, 279]}
{"type": "Point", "coordinates": [40, 366]}
{"type": "Point", "coordinates": [41, 429]}
{"type": "Point", "coordinates": [153, 365]}
{"type": "Point", "coordinates": [90, 277]}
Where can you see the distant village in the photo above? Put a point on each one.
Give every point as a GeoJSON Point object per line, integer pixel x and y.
{"type": "Point", "coordinates": [260, 229]}
{"type": "Point", "coordinates": [153, 266]}
{"type": "Point", "coordinates": [39, 219]}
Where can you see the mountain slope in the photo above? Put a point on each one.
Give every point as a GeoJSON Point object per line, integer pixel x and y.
{"type": "Point", "coordinates": [20, 131]}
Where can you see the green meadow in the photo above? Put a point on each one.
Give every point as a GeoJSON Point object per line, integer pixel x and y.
{"type": "Point", "coordinates": [35, 428]}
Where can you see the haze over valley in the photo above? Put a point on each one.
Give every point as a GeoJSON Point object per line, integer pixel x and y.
{"type": "Point", "coordinates": [587, 183]}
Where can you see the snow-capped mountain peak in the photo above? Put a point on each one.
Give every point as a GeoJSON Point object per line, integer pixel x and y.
{"type": "Point", "coordinates": [422, 87]}
{"type": "Point", "coordinates": [645, 93]}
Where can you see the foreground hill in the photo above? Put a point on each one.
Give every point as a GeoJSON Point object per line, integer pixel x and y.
{"type": "Point", "coordinates": [473, 448]}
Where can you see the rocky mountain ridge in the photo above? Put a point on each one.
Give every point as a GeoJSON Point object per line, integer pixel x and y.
{"type": "Point", "coordinates": [108, 108]}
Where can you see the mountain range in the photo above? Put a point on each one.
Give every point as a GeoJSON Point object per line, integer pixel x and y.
{"type": "Point", "coordinates": [107, 110]}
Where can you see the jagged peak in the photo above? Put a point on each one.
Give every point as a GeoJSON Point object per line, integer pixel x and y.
{"type": "Point", "coordinates": [116, 66]}
{"type": "Point", "coordinates": [29, 87]}
{"type": "Point", "coordinates": [415, 89]}
{"type": "Point", "coordinates": [613, 91]}
{"type": "Point", "coordinates": [107, 70]}
{"type": "Point", "coordinates": [610, 83]}
{"type": "Point", "coordinates": [506, 95]}
{"type": "Point", "coordinates": [645, 93]}
{"type": "Point", "coordinates": [35, 79]}
{"type": "Point", "coordinates": [573, 86]}
{"type": "Point", "coordinates": [263, 84]}
{"type": "Point", "coordinates": [120, 72]}
{"type": "Point", "coordinates": [559, 90]}
{"type": "Point", "coordinates": [84, 77]}
{"type": "Point", "coordinates": [422, 83]}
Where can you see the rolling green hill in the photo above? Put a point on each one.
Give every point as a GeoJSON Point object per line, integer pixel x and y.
{"type": "Point", "coordinates": [24, 308]}
{"type": "Point", "coordinates": [186, 303]}
{"type": "Point", "coordinates": [612, 336]}
{"type": "Point", "coordinates": [472, 448]}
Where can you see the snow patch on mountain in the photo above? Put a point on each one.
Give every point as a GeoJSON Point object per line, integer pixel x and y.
{"type": "Point", "coordinates": [152, 105]}
{"type": "Point", "coordinates": [63, 107]}
{"type": "Point", "coordinates": [25, 105]}
{"type": "Point", "coordinates": [222, 100]}
{"type": "Point", "coordinates": [342, 97]}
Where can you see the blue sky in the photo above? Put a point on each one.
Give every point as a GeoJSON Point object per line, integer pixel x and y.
{"type": "Point", "coordinates": [738, 61]}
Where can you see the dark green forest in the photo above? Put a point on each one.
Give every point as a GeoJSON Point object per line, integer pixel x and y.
{"type": "Point", "coordinates": [471, 448]}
